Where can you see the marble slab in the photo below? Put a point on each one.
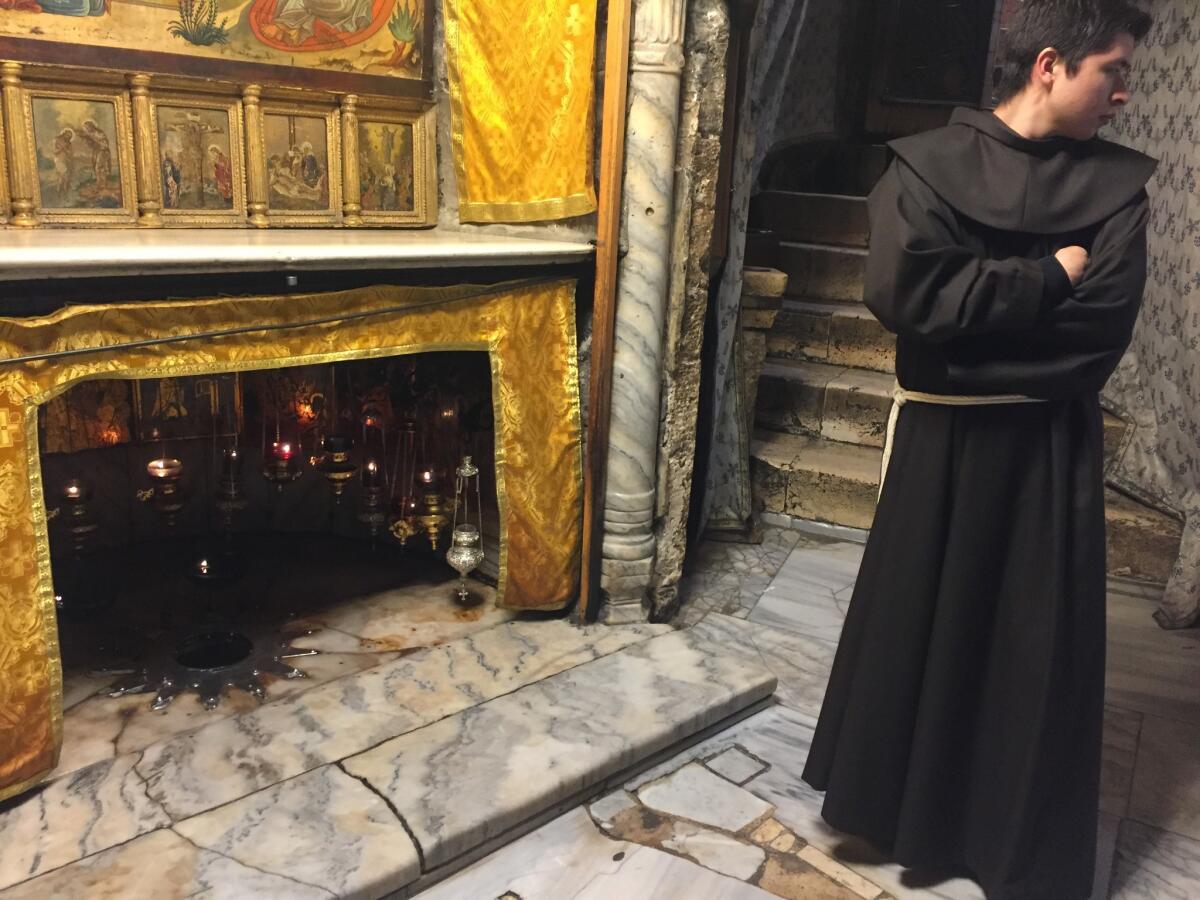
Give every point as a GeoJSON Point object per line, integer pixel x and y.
{"type": "Point", "coordinates": [568, 859]}
{"type": "Point", "coordinates": [735, 765]}
{"type": "Point", "coordinates": [89, 811]}
{"type": "Point", "coordinates": [36, 253]}
{"type": "Point", "coordinates": [472, 775]}
{"type": "Point", "coordinates": [227, 760]}
{"type": "Point", "coordinates": [1166, 779]}
{"type": "Point", "coordinates": [729, 577]}
{"type": "Point", "coordinates": [811, 592]}
{"type": "Point", "coordinates": [715, 850]}
{"type": "Point", "coordinates": [100, 727]}
{"type": "Point", "coordinates": [1150, 670]}
{"type": "Point", "coordinates": [323, 828]}
{"type": "Point", "coordinates": [323, 834]}
{"type": "Point", "coordinates": [162, 866]}
{"type": "Point", "coordinates": [801, 663]}
{"type": "Point", "coordinates": [694, 793]}
{"type": "Point", "coordinates": [1120, 747]}
{"type": "Point", "coordinates": [1152, 864]}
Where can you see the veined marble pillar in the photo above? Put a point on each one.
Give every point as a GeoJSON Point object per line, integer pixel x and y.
{"type": "Point", "coordinates": [656, 68]}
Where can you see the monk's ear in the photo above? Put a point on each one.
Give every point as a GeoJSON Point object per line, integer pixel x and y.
{"type": "Point", "coordinates": [1045, 67]}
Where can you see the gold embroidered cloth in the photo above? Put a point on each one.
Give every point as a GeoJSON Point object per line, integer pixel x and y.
{"type": "Point", "coordinates": [527, 329]}
{"type": "Point", "coordinates": [521, 93]}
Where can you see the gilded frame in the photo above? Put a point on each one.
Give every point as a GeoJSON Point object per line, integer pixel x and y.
{"type": "Point", "coordinates": [126, 214]}
{"type": "Point", "coordinates": [258, 157]}
{"type": "Point", "coordinates": [234, 217]}
{"type": "Point", "coordinates": [424, 211]}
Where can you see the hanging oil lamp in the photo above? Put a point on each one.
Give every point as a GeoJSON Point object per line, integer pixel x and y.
{"type": "Point", "coordinates": [166, 474]}
{"type": "Point", "coordinates": [281, 464]}
{"type": "Point", "coordinates": [404, 506]}
{"type": "Point", "coordinates": [225, 563]}
{"type": "Point", "coordinates": [373, 491]}
{"type": "Point", "coordinates": [432, 515]}
{"type": "Point", "coordinates": [334, 463]}
{"type": "Point", "coordinates": [466, 537]}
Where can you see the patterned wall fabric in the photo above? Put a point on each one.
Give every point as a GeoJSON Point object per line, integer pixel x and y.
{"type": "Point", "coordinates": [521, 98]}
{"type": "Point", "coordinates": [1158, 382]}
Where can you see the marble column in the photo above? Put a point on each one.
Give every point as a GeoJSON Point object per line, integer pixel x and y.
{"type": "Point", "coordinates": [656, 67]}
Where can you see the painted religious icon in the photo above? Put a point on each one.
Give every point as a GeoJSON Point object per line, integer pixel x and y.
{"type": "Point", "coordinates": [191, 407]}
{"type": "Point", "coordinates": [298, 162]}
{"type": "Point", "coordinates": [357, 37]}
{"type": "Point", "coordinates": [91, 415]}
{"type": "Point", "coordinates": [200, 162]}
{"type": "Point", "coordinates": [82, 145]}
{"type": "Point", "coordinates": [386, 166]}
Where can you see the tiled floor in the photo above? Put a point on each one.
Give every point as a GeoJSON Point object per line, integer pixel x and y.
{"type": "Point", "coordinates": [783, 602]}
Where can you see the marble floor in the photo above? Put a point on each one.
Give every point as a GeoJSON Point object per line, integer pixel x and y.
{"type": "Point", "coordinates": [731, 818]}
{"type": "Point", "coordinates": [373, 626]}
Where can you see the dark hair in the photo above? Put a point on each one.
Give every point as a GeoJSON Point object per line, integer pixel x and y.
{"type": "Point", "coordinates": [1075, 28]}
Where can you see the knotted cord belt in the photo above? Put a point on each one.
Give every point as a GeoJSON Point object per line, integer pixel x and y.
{"type": "Point", "coordinates": [900, 396]}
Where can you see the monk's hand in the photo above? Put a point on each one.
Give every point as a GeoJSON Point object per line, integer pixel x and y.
{"type": "Point", "coordinates": [1074, 260]}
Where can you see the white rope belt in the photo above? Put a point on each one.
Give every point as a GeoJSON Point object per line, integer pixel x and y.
{"type": "Point", "coordinates": [900, 396]}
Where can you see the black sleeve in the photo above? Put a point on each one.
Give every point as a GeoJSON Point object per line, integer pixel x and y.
{"type": "Point", "coordinates": [1056, 283]}
{"type": "Point", "coordinates": [921, 283]}
{"type": "Point", "coordinates": [1077, 343]}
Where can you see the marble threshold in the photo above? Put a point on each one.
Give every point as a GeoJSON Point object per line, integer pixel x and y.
{"type": "Point", "coordinates": [383, 781]}
{"type": "Point", "coordinates": [79, 253]}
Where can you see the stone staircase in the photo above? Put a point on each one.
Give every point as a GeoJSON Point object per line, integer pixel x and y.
{"type": "Point", "coordinates": [825, 390]}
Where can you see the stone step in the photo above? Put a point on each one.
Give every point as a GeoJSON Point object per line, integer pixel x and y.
{"type": "Point", "coordinates": [822, 272]}
{"type": "Point", "coordinates": [834, 167]}
{"type": "Point", "coordinates": [813, 478]}
{"type": "Point", "coordinates": [841, 334]}
{"type": "Point", "coordinates": [815, 218]}
{"type": "Point", "coordinates": [839, 403]}
{"type": "Point", "coordinates": [1142, 542]}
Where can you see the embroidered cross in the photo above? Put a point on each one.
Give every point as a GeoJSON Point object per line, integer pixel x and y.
{"type": "Point", "coordinates": [8, 429]}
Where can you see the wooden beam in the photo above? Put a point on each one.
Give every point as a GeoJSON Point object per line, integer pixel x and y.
{"type": "Point", "coordinates": [604, 309]}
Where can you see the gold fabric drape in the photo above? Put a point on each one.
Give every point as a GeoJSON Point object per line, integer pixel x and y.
{"type": "Point", "coordinates": [521, 94]}
{"type": "Point", "coordinates": [527, 329]}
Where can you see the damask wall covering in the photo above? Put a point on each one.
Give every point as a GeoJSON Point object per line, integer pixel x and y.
{"type": "Point", "coordinates": [1158, 382]}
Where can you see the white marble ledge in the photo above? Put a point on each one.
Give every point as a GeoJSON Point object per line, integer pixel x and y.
{"type": "Point", "coordinates": [77, 253]}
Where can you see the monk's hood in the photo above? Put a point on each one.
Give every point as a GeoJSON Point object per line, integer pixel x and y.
{"type": "Point", "coordinates": [993, 175]}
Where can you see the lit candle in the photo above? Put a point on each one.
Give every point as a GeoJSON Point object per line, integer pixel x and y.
{"type": "Point", "coordinates": [370, 474]}
{"type": "Point", "coordinates": [202, 567]}
{"type": "Point", "coordinates": [73, 490]}
{"type": "Point", "coordinates": [427, 476]}
{"type": "Point", "coordinates": [281, 450]}
{"type": "Point", "coordinates": [230, 462]}
{"type": "Point", "coordinates": [164, 468]}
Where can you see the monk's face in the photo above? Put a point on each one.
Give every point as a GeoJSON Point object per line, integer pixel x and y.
{"type": "Point", "coordinates": [1083, 102]}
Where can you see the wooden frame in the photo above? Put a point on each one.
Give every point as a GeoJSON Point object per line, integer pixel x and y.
{"type": "Point", "coordinates": [361, 167]}
{"type": "Point", "coordinates": [115, 156]}
{"type": "Point", "coordinates": [175, 112]}
{"type": "Point", "coordinates": [260, 158]}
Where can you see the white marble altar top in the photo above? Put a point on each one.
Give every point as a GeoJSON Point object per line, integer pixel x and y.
{"type": "Point", "coordinates": [74, 253]}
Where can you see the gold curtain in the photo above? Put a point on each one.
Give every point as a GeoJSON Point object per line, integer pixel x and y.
{"type": "Point", "coordinates": [521, 93]}
{"type": "Point", "coordinates": [527, 329]}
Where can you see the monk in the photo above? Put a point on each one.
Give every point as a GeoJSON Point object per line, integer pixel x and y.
{"type": "Point", "coordinates": [961, 728]}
